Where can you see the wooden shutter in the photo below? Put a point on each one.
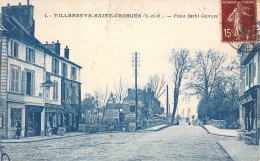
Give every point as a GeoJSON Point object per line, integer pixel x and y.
{"type": "Point", "coordinates": [247, 75]}
{"type": "Point", "coordinates": [32, 83]}
{"type": "Point", "coordinates": [23, 83]}
{"type": "Point", "coordinates": [12, 48]}
{"type": "Point", "coordinates": [27, 54]}
{"type": "Point", "coordinates": [58, 65]}
{"type": "Point", "coordinates": [33, 56]}
{"type": "Point", "coordinates": [53, 65]}
{"type": "Point", "coordinates": [17, 50]}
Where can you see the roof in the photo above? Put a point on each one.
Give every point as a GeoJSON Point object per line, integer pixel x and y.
{"type": "Point", "coordinates": [12, 27]}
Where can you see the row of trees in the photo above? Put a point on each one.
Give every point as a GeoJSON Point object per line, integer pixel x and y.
{"type": "Point", "coordinates": [210, 79]}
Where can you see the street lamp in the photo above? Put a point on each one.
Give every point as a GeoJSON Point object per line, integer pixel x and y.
{"type": "Point", "coordinates": [47, 84]}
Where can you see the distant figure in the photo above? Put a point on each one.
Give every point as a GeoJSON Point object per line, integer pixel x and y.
{"type": "Point", "coordinates": [178, 123]}
{"type": "Point", "coordinates": [204, 122]}
{"type": "Point", "coordinates": [189, 123]}
{"type": "Point", "coordinates": [18, 129]}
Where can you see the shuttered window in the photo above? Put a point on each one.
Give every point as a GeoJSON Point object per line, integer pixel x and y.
{"type": "Point", "coordinates": [30, 55]}
{"type": "Point", "coordinates": [23, 83]}
{"type": "Point", "coordinates": [55, 90]}
{"type": "Point", "coordinates": [55, 66]}
{"type": "Point", "coordinates": [73, 73]}
{"type": "Point", "coordinates": [30, 83]}
{"type": "Point", "coordinates": [15, 78]}
{"type": "Point", "coordinates": [64, 70]}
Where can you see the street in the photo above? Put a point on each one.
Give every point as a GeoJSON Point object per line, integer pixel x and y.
{"type": "Point", "coordinates": [181, 142]}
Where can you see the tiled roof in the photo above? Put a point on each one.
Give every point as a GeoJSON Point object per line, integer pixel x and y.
{"type": "Point", "coordinates": [13, 28]}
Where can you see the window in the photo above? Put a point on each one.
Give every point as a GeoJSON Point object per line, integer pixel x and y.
{"type": "Point", "coordinates": [247, 75]}
{"type": "Point", "coordinates": [30, 82]}
{"type": "Point", "coordinates": [73, 73]}
{"type": "Point", "coordinates": [64, 70]}
{"type": "Point", "coordinates": [55, 66]}
{"type": "Point", "coordinates": [73, 94]}
{"type": "Point", "coordinates": [30, 55]}
{"type": "Point", "coordinates": [23, 84]}
{"type": "Point", "coordinates": [14, 49]}
{"type": "Point", "coordinates": [15, 76]}
{"type": "Point", "coordinates": [251, 73]}
{"type": "Point", "coordinates": [55, 90]}
{"type": "Point", "coordinates": [16, 115]}
{"type": "Point", "coordinates": [77, 94]}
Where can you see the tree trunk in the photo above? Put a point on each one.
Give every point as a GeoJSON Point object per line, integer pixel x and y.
{"type": "Point", "coordinates": [175, 103]}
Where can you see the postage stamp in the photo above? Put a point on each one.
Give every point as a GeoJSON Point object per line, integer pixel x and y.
{"type": "Point", "coordinates": [239, 20]}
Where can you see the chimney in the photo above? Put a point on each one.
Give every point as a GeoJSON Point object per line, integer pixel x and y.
{"type": "Point", "coordinates": [57, 47]}
{"type": "Point", "coordinates": [23, 14]}
{"type": "Point", "coordinates": [54, 47]}
{"type": "Point", "coordinates": [67, 52]}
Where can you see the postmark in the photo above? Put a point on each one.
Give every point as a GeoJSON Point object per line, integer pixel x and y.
{"type": "Point", "coordinates": [239, 24]}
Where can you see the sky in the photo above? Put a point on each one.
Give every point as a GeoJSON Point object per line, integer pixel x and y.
{"type": "Point", "coordinates": [104, 46]}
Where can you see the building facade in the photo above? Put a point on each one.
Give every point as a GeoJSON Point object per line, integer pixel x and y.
{"type": "Point", "coordinates": [249, 93]}
{"type": "Point", "coordinates": [39, 88]}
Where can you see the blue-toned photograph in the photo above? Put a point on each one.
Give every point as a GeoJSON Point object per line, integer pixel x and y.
{"type": "Point", "coordinates": [123, 80]}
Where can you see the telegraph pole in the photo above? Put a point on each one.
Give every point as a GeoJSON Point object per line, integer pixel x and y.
{"type": "Point", "coordinates": [136, 94]}
{"type": "Point", "coordinates": [167, 102]}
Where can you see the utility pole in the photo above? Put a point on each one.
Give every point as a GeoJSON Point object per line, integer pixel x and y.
{"type": "Point", "coordinates": [169, 108]}
{"type": "Point", "coordinates": [167, 102]}
{"type": "Point", "coordinates": [136, 94]}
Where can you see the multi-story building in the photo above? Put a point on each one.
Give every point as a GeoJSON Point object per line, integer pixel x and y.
{"type": "Point", "coordinates": [147, 103]}
{"type": "Point", "coordinates": [39, 88]}
{"type": "Point", "coordinates": [250, 88]}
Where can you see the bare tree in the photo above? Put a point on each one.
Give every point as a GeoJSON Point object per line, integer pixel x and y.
{"type": "Point", "coordinates": [105, 96]}
{"type": "Point", "coordinates": [157, 84]}
{"type": "Point", "coordinates": [181, 63]}
{"type": "Point", "coordinates": [120, 90]}
{"type": "Point", "coordinates": [207, 69]}
{"type": "Point", "coordinates": [98, 98]}
{"type": "Point", "coordinates": [101, 97]}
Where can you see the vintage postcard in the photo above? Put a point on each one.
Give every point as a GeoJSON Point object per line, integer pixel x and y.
{"type": "Point", "coordinates": [129, 80]}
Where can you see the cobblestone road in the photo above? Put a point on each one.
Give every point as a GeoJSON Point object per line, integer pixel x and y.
{"type": "Point", "coordinates": [173, 143]}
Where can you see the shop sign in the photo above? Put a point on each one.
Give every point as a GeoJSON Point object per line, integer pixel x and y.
{"type": "Point", "coordinates": [245, 99]}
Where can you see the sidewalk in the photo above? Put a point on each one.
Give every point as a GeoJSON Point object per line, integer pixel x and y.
{"type": "Point", "coordinates": [41, 138]}
{"type": "Point", "coordinates": [157, 128]}
{"type": "Point", "coordinates": [225, 132]}
{"type": "Point", "coordinates": [237, 149]}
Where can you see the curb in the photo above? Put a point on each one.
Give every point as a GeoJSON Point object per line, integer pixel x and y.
{"type": "Point", "coordinates": [160, 128]}
{"type": "Point", "coordinates": [224, 150]}
{"type": "Point", "coordinates": [214, 133]}
{"type": "Point", "coordinates": [218, 142]}
{"type": "Point", "coordinates": [44, 139]}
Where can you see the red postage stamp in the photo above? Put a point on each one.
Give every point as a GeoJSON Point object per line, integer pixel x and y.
{"type": "Point", "coordinates": [239, 20]}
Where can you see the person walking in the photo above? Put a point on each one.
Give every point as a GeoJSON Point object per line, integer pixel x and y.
{"type": "Point", "coordinates": [18, 129]}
